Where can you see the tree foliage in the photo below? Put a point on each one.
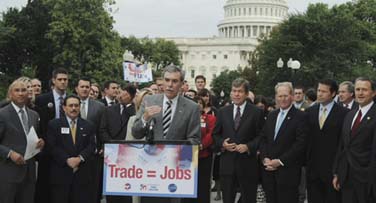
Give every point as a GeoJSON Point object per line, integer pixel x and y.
{"type": "Point", "coordinates": [75, 34]}
{"type": "Point", "coordinates": [337, 42]}
{"type": "Point", "coordinates": [159, 52]}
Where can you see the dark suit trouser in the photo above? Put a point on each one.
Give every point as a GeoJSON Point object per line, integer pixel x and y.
{"type": "Point", "coordinates": [118, 199]}
{"type": "Point", "coordinates": [248, 188]}
{"type": "Point", "coordinates": [322, 191]}
{"type": "Point", "coordinates": [353, 191]}
{"type": "Point", "coordinates": [70, 193]}
{"type": "Point", "coordinates": [97, 170]}
{"type": "Point", "coordinates": [279, 192]}
{"type": "Point", "coordinates": [204, 176]}
{"type": "Point", "coordinates": [22, 192]}
{"type": "Point", "coordinates": [42, 189]}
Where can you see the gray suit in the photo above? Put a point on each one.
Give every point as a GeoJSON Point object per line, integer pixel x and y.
{"type": "Point", "coordinates": [94, 115]}
{"type": "Point", "coordinates": [16, 181]}
{"type": "Point", "coordinates": [185, 124]}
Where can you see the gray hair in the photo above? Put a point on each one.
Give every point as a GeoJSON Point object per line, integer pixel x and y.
{"type": "Point", "coordinates": [240, 82]}
{"type": "Point", "coordinates": [174, 69]}
{"type": "Point", "coordinates": [349, 85]}
{"type": "Point", "coordinates": [284, 84]}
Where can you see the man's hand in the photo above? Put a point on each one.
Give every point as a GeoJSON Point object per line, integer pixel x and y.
{"type": "Point", "coordinates": [271, 165]}
{"type": "Point", "coordinates": [336, 183]}
{"type": "Point", "coordinates": [17, 158]}
{"type": "Point", "coordinates": [241, 148]}
{"type": "Point", "coordinates": [229, 147]}
{"type": "Point", "coordinates": [40, 143]}
{"type": "Point", "coordinates": [151, 111]}
{"type": "Point", "coordinates": [73, 162]}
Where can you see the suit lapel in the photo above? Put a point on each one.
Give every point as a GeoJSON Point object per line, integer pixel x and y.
{"type": "Point", "coordinates": [316, 113]}
{"type": "Point", "coordinates": [246, 114]}
{"type": "Point", "coordinates": [179, 112]}
{"type": "Point", "coordinates": [16, 120]}
{"type": "Point", "coordinates": [78, 133]}
{"type": "Point", "coordinates": [286, 121]}
{"type": "Point", "coordinates": [273, 117]}
{"type": "Point", "coordinates": [67, 137]}
{"type": "Point", "coordinates": [366, 118]}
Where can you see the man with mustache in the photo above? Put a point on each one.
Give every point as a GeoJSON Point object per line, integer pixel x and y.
{"type": "Point", "coordinates": [175, 117]}
{"type": "Point", "coordinates": [71, 145]}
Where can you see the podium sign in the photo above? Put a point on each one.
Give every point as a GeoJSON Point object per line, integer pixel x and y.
{"type": "Point", "coordinates": [161, 170]}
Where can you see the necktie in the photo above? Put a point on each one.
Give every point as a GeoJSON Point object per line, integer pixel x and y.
{"type": "Point", "coordinates": [167, 118]}
{"type": "Point", "coordinates": [356, 123]}
{"type": "Point", "coordinates": [25, 123]}
{"type": "Point", "coordinates": [73, 130]}
{"type": "Point", "coordinates": [61, 110]}
{"type": "Point", "coordinates": [83, 110]}
{"type": "Point", "coordinates": [279, 123]}
{"type": "Point", "coordinates": [322, 118]}
{"type": "Point", "coordinates": [124, 116]}
{"type": "Point", "coordinates": [237, 118]}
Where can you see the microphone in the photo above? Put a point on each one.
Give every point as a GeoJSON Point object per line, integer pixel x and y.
{"type": "Point", "coordinates": [150, 135]}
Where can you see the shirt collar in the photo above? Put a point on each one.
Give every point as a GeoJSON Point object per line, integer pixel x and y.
{"type": "Point", "coordinates": [69, 120]}
{"type": "Point", "coordinates": [242, 106]}
{"type": "Point", "coordinates": [365, 108]}
{"type": "Point", "coordinates": [57, 95]}
{"type": "Point", "coordinates": [17, 108]}
{"type": "Point", "coordinates": [174, 100]}
{"type": "Point", "coordinates": [328, 107]}
{"type": "Point", "coordinates": [85, 100]}
{"type": "Point", "coordinates": [285, 110]}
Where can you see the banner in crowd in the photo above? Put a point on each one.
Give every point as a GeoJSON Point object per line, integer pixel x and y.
{"type": "Point", "coordinates": [137, 72]}
{"type": "Point", "coordinates": [162, 170]}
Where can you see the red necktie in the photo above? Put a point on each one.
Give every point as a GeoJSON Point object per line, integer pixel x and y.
{"type": "Point", "coordinates": [356, 123]}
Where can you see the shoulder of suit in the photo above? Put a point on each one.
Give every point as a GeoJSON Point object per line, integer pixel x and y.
{"type": "Point", "coordinates": [187, 101]}
{"type": "Point", "coordinates": [95, 102]}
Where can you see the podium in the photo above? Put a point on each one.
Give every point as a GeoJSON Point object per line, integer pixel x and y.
{"type": "Point", "coordinates": [163, 169]}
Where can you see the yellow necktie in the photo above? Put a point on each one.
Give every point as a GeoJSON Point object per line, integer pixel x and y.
{"type": "Point", "coordinates": [322, 118]}
{"type": "Point", "coordinates": [73, 131]}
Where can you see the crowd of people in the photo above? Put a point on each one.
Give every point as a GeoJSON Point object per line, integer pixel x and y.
{"type": "Point", "coordinates": [316, 144]}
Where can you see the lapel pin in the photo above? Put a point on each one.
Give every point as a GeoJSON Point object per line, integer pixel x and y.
{"type": "Point", "coordinates": [81, 128]}
{"type": "Point", "coordinates": [50, 105]}
{"type": "Point", "coordinates": [368, 118]}
{"type": "Point", "coordinates": [288, 118]}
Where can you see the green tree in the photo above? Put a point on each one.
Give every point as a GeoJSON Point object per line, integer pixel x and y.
{"type": "Point", "coordinates": [329, 42]}
{"type": "Point", "coordinates": [83, 39]}
{"type": "Point", "coordinates": [224, 81]}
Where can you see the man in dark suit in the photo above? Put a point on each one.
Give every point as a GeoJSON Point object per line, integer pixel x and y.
{"type": "Point", "coordinates": [92, 111]}
{"type": "Point", "coordinates": [353, 159]}
{"type": "Point", "coordinates": [237, 127]}
{"type": "Point", "coordinates": [346, 95]}
{"type": "Point", "coordinates": [282, 148]}
{"type": "Point", "coordinates": [114, 125]}
{"type": "Point", "coordinates": [49, 106]}
{"type": "Point", "coordinates": [70, 141]}
{"type": "Point", "coordinates": [175, 117]}
{"type": "Point", "coordinates": [17, 175]}
{"type": "Point", "coordinates": [325, 120]}
{"type": "Point", "coordinates": [111, 90]}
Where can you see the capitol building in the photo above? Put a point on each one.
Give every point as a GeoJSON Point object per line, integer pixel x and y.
{"type": "Point", "coordinates": [244, 22]}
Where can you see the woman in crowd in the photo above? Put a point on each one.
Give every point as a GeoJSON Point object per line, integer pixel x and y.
{"type": "Point", "coordinates": [205, 155]}
{"type": "Point", "coordinates": [208, 100]}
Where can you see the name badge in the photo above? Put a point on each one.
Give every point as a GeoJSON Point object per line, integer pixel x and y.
{"type": "Point", "coordinates": [203, 125]}
{"type": "Point", "coordinates": [64, 130]}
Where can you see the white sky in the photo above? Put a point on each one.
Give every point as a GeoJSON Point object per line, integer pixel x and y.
{"type": "Point", "coordinates": [172, 18]}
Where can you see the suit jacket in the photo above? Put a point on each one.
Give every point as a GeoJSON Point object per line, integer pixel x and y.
{"type": "Point", "coordinates": [13, 137]}
{"type": "Point", "coordinates": [45, 106]}
{"type": "Point", "coordinates": [113, 124]}
{"type": "Point", "coordinates": [323, 143]}
{"type": "Point", "coordinates": [60, 146]}
{"type": "Point", "coordinates": [249, 129]}
{"type": "Point", "coordinates": [354, 152]}
{"type": "Point", "coordinates": [289, 145]}
{"type": "Point", "coordinates": [94, 115]}
{"type": "Point", "coordinates": [104, 101]}
{"type": "Point", "coordinates": [185, 124]}
{"type": "Point", "coordinates": [304, 106]}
